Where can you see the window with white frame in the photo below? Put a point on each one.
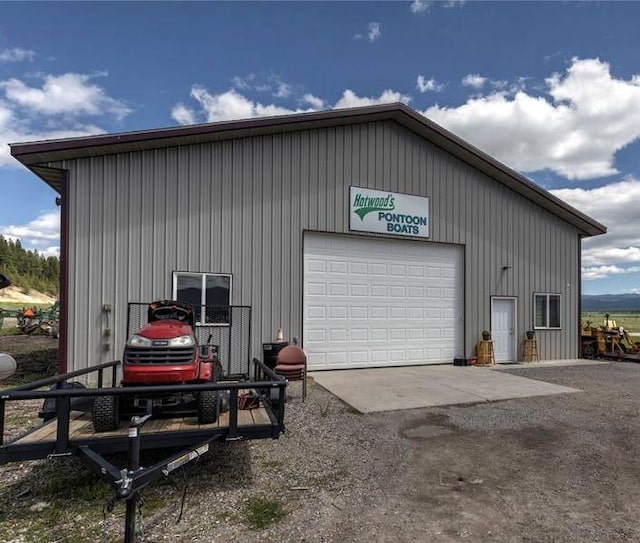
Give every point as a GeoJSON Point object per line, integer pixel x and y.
{"type": "Point", "coordinates": [208, 293]}
{"type": "Point", "coordinates": [547, 310]}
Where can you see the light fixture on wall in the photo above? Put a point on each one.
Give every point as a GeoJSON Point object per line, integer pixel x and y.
{"type": "Point", "coordinates": [505, 268]}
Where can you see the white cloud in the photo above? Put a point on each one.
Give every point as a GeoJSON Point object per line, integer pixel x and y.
{"type": "Point", "coordinates": [375, 31]}
{"type": "Point", "coordinates": [603, 255]}
{"type": "Point", "coordinates": [37, 234]}
{"type": "Point", "coordinates": [602, 272]}
{"type": "Point", "coordinates": [231, 104]}
{"type": "Point", "coordinates": [351, 99]}
{"type": "Point", "coordinates": [16, 54]}
{"type": "Point", "coordinates": [49, 251]}
{"type": "Point", "coordinates": [183, 115]}
{"type": "Point", "coordinates": [69, 94]}
{"type": "Point", "coordinates": [263, 83]}
{"type": "Point", "coordinates": [313, 101]}
{"type": "Point", "coordinates": [419, 6]}
{"type": "Point", "coordinates": [424, 85]}
{"type": "Point", "coordinates": [243, 82]}
{"type": "Point", "coordinates": [226, 106]}
{"type": "Point", "coordinates": [575, 130]}
{"type": "Point", "coordinates": [454, 3]}
{"type": "Point", "coordinates": [474, 80]}
{"type": "Point", "coordinates": [283, 91]}
{"type": "Point", "coordinates": [57, 110]}
{"type": "Point", "coordinates": [616, 206]}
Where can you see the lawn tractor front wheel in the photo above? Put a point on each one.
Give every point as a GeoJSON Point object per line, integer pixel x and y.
{"type": "Point", "coordinates": [208, 406]}
{"type": "Point", "coordinates": [105, 413]}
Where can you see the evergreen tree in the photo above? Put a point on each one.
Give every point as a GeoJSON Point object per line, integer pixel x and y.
{"type": "Point", "coordinates": [28, 269]}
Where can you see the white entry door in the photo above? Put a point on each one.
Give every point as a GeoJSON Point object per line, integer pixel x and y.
{"type": "Point", "coordinates": [503, 328]}
{"type": "Point", "coordinates": [371, 302]}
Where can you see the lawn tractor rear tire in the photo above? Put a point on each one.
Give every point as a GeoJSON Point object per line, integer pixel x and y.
{"type": "Point", "coordinates": [208, 406]}
{"type": "Point", "coordinates": [105, 414]}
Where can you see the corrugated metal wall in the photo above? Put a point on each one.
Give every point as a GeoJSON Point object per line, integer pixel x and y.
{"type": "Point", "coordinates": [241, 206]}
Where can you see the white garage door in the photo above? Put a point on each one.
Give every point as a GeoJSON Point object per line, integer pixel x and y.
{"type": "Point", "coordinates": [380, 302]}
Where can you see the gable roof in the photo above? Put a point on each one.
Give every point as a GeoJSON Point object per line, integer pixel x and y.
{"type": "Point", "coordinates": [36, 155]}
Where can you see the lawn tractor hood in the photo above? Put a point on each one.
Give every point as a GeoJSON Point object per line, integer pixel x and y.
{"type": "Point", "coordinates": [164, 350]}
{"type": "Point", "coordinates": [168, 333]}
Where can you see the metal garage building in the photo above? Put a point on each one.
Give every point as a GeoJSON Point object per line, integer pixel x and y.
{"type": "Point", "coordinates": [374, 234]}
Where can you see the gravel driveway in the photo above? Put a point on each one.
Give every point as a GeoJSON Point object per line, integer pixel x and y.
{"type": "Point", "coordinates": [559, 468]}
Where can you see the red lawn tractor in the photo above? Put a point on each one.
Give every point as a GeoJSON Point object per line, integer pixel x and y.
{"type": "Point", "coordinates": [164, 352]}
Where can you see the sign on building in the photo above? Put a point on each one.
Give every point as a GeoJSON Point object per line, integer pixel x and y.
{"type": "Point", "coordinates": [388, 212]}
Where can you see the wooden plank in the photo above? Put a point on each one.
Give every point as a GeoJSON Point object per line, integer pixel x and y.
{"type": "Point", "coordinates": [80, 427]}
{"type": "Point", "coordinates": [44, 433]}
{"type": "Point", "coordinates": [245, 418]}
{"type": "Point", "coordinates": [260, 416]}
{"type": "Point", "coordinates": [223, 420]}
{"type": "Point", "coordinates": [161, 425]}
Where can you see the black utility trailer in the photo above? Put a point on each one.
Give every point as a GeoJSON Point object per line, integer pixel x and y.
{"type": "Point", "coordinates": [69, 430]}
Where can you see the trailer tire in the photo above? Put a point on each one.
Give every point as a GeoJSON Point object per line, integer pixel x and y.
{"type": "Point", "coordinates": [208, 406]}
{"type": "Point", "coordinates": [105, 413]}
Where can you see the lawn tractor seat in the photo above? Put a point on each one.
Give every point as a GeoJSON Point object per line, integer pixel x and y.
{"type": "Point", "coordinates": [292, 365]}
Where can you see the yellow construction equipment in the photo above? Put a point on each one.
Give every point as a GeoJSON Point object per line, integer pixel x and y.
{"type": "Point", "coordinates": [608, 340]}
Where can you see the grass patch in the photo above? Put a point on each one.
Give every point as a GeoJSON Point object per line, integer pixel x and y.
{"type": "Point", "coordinates": [630, 321]}
{"type": "Point", "coordinates": [22, 305]}
{"type": "Point", "coordinates": [12, 331]}
{"type": "Point", "coordinates": [54, 494]}
{"type": "Point", "coordinates": [260, 512]}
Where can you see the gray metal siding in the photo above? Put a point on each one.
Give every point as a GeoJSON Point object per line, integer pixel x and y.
{"type": "Point", "coordinates": [241, 206]}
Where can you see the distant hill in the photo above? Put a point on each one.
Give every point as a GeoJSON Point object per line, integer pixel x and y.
{"type": "Point", "coordinates": [611, 302]}
{"type": "Point", "coordinates": [18, 295]}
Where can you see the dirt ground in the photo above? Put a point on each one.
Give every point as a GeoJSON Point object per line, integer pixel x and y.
{"type": "Point", "coordinates": [556, 468]}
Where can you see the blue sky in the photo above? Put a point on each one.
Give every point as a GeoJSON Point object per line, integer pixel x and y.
{"type": "Point", "coordinates": [552, 89]}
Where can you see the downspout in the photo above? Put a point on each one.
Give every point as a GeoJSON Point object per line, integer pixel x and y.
{"type": "Point", "coordinates": [64, 274]}
{"type": "Point", "coordinates": [579, 330]}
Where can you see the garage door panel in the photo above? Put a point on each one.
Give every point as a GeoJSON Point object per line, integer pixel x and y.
{"type": "Point", "coordinates": [338, 312]}
{"type": "Point", "coordinates": [338, 289]}
{"type": "Point", "coordinates": [358, 290]}
{"type": "Point", "coordinates": [373, 302]}
{"type": "Point", "coordinates": [397, 291]}
{"type": "Point", "coordinates": [316, 289]}
{"type": "Point", "coordinates": [314, 265]}
{"type": "Point", "coordinates": [378, 290]}
{"type": "Point", "coordinates": [379, 270]}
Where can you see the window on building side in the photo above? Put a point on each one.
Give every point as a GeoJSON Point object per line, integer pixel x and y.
{"type": "Point", "coordinates": [547, 310]}
{"type": "Point", "coordinates": [208, 293]}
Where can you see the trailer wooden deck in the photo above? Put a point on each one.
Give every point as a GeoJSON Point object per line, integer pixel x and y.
{"type": "Point", "coordinates": [81, 426]}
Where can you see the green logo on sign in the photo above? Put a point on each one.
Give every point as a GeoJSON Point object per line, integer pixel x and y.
{"type": "Point", "coordinates": [367, 204]}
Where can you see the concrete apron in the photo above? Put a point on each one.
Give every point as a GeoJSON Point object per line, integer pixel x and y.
{"type": "Point", "coordinates": [411, 387]}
